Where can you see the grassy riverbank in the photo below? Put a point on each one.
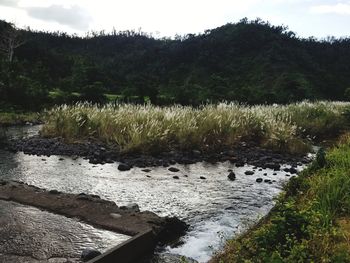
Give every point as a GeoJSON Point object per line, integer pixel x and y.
{"type": "Point", "coordinates": [150, 128]}
{"type": "Point", "coordinates": [311, 220]}
{"type": "Point", "coordinates": [18, 118]}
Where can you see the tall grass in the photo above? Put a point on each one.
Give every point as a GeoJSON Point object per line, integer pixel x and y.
{"type": "Point", "coordinates": [152, 128]}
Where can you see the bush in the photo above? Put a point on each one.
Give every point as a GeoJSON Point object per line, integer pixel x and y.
{"type": "Point", "coordinates": [93, 93]}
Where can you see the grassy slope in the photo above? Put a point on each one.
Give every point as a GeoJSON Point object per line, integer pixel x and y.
{"type": "Point", "coordinates": [310, 222]}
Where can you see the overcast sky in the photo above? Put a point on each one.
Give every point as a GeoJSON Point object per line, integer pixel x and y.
{"type": "Point", "coordinates": [319, 18]}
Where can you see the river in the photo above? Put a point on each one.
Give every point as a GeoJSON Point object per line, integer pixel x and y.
{"type": "Point", "coordinates": [215, 207]}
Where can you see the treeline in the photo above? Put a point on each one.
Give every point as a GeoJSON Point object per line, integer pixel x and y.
{"type": "Point", "coordinates": [248, 61]}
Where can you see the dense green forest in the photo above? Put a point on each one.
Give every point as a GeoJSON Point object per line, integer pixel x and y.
{"type": "Point", "coordinates": [248, 61]}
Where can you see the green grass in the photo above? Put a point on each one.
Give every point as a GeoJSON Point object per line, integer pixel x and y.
{"type": "Point", "coordinates": [16, 118]}
{"type": "Point", "coordinates": [112, 97]}
{"type": "Point", "coordinates": [310, 222]}
{"type": "Point", "coordinates": [147, 128]}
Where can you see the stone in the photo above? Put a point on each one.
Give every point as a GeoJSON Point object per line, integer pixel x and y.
{"type": "Point", "coordinates": [274, 166]}
{"type": "Point", "coordinates": [173, 169]}
{"type": "Point", "coordinates": [231, 176]}
{"type": "Point", "coordinates": [132, 206]}
{"type": "Point", "coordinates": [239, 164]}
{"type": "Point", "coordinates": [202, 177]}
{"type": "Point", "coordinates": [89, 254]}
{"type": "Point", "coordinates": [115, 215]}
{"type": "Point", "coordinates": [54, 192]}
{"type": "Point", "coordinates": [249, 172]}
{"type": "Point", "coordinates": [123, 167]}
{"type": "Point", "coordinates": [259, 180]}
{"type": "Point", "coordinates": [176, 177]}
{"type": "Point", "coordinates": [146, 170]}
{"type": "Point", "coordinates": [292, 170]}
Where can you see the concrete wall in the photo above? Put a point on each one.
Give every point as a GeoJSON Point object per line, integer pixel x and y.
{"type": "Point", "coordinates": [129, 251]}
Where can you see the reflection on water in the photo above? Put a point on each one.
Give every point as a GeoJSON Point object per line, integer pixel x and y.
{"type": "Point", "coordinates": [39, 235]}
{"type": "Point", "coordinates": [215, 207]}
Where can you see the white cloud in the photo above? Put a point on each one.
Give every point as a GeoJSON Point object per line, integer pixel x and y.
{"type": "Point", "coordinates": [340, 9]}
{"type": "Point", "coordinates": [169, 17]}
{"type": "Point", "coordinates": [9, 2]}
{"type": "Point", "coordinates": [73, 16]}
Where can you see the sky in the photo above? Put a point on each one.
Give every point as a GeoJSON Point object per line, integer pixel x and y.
{"type": "Point", "coordinates": [317, 18]}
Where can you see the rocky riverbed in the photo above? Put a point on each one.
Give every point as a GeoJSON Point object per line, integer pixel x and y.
{"type": "Point", "coordinates": [99, 153]}
{"type": "Point", "coordinates": [216, 198]}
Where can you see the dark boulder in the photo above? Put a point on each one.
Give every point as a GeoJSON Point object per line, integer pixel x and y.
{"type": "Point", "coordinates": [259, 180]}
{"type": "Point", "coordinates": [173, 169]}
{"type": "Point", "coordinates": [239, 164]}
{"type": "Point", "coordinates": [249, 172]}
{"type": "Point", "coordinates": [274, 166]}
{"type": "Point", "coordinates": [231, 176]}
{"type": "Point", "coordinates": [292, 170]}
{"type": "Point", "coordinates": [123, 167]}
{"type": "Point", "coordinates": [172, 229]}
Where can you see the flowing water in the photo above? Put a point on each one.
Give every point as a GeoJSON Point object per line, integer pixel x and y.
{"type": "Point", "coordinates": [215, 207]}
{"type": "Point", "coordinates": [28, 234]}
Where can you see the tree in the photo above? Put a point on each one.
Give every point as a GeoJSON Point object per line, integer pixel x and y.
{"type": "Point", "coordinates": [347, 94]}
{"type": "Point", "coordinates": [11, 38]}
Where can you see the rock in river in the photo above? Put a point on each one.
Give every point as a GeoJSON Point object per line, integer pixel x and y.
{"type": "Point", "coordinates": [231, 176]}
{"type": "Point", "coordinates": [274, 166]}
{"type": "Point", "coordinates": [173, 169]}
{"type": "Point", "coordinates": [259, 180]}
{"type": "Point", "coordinates": [123, 167]}
{"type": "Point", "coordinates": [249, 172]}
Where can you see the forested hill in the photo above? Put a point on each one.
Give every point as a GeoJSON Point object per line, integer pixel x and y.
{"type": "Point", "coordinates": [249, 61]}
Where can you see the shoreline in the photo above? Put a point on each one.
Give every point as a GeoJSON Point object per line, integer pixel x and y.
{"type": "Point", "coordinates": [14, 119]}
{"type": "Point", "coordinates": [310, 221]}
{"type": "Point", "coordinates": [100, 153]}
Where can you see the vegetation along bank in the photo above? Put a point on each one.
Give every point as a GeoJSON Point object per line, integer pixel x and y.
{"type": "Point", "coordinates": [146, 128]}
{"type": "Point", "coordinates": [311, 220]}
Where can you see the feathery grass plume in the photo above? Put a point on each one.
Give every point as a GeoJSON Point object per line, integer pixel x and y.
{"type": "Point", "coordinates": [148, 128]}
